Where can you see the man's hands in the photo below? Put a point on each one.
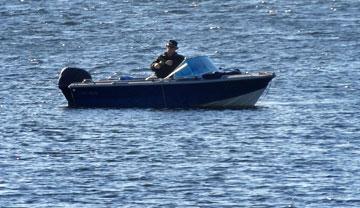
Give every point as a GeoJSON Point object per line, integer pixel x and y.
{"type": "Point", "coordinates": [158, 65]}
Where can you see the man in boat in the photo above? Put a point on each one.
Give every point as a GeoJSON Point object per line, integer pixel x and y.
{"type": "Point", "coordinates": [167, 62]}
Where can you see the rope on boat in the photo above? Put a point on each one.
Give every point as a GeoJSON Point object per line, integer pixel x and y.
{"type": "Point", "coordinates": [267, 90]}
{"type": "Point", "coordinates": [163, 94]}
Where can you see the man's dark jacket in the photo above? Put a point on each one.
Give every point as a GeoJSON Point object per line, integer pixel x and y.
{"type": "Point", "coordinates": [164, 69]}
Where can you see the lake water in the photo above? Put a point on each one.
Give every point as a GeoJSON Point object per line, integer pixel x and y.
{"type": "Point", "coordinates": [300, 147]}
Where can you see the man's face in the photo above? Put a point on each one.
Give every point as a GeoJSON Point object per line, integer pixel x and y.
{"type": "Point", "coordinates": [170, 49]}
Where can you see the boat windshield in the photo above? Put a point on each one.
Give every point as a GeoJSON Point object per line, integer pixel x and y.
{"type": "Point", "coordinates": [194, 67]}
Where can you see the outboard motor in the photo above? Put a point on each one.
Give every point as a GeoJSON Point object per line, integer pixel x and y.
{"type": "Point", "coordinates": [69, 75]}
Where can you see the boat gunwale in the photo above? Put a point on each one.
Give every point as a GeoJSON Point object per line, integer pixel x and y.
{"type": "Point", "coordinates": [141, 82]}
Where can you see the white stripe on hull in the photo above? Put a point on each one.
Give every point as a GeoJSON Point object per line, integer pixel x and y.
{"type": "Point", "coordinates": [245, 100]}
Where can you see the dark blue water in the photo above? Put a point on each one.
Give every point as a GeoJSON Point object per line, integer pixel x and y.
{"type": "Point", "coordinates": [300, 147]}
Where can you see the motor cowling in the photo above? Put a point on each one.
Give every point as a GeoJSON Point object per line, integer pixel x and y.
{"type": "Point", "coordinates": [69, 75]}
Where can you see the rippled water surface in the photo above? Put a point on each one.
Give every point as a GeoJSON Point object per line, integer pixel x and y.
{"type": "Point", "coordinates": [298, 148]}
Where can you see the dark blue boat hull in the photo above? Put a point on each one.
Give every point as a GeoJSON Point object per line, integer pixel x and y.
{"type": "Point", "coordinates": [166, 94]}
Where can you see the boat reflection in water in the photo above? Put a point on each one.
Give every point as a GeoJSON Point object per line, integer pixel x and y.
{"type": "Point", "coordinates": [197, 82]}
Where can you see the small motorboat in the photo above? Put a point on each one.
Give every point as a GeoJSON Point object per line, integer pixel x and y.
{"type": "Point", "coordinates": [195, 83]}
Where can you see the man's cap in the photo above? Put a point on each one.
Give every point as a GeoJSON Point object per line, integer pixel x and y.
{"type": "Point", "coordinates": [172, 43]}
